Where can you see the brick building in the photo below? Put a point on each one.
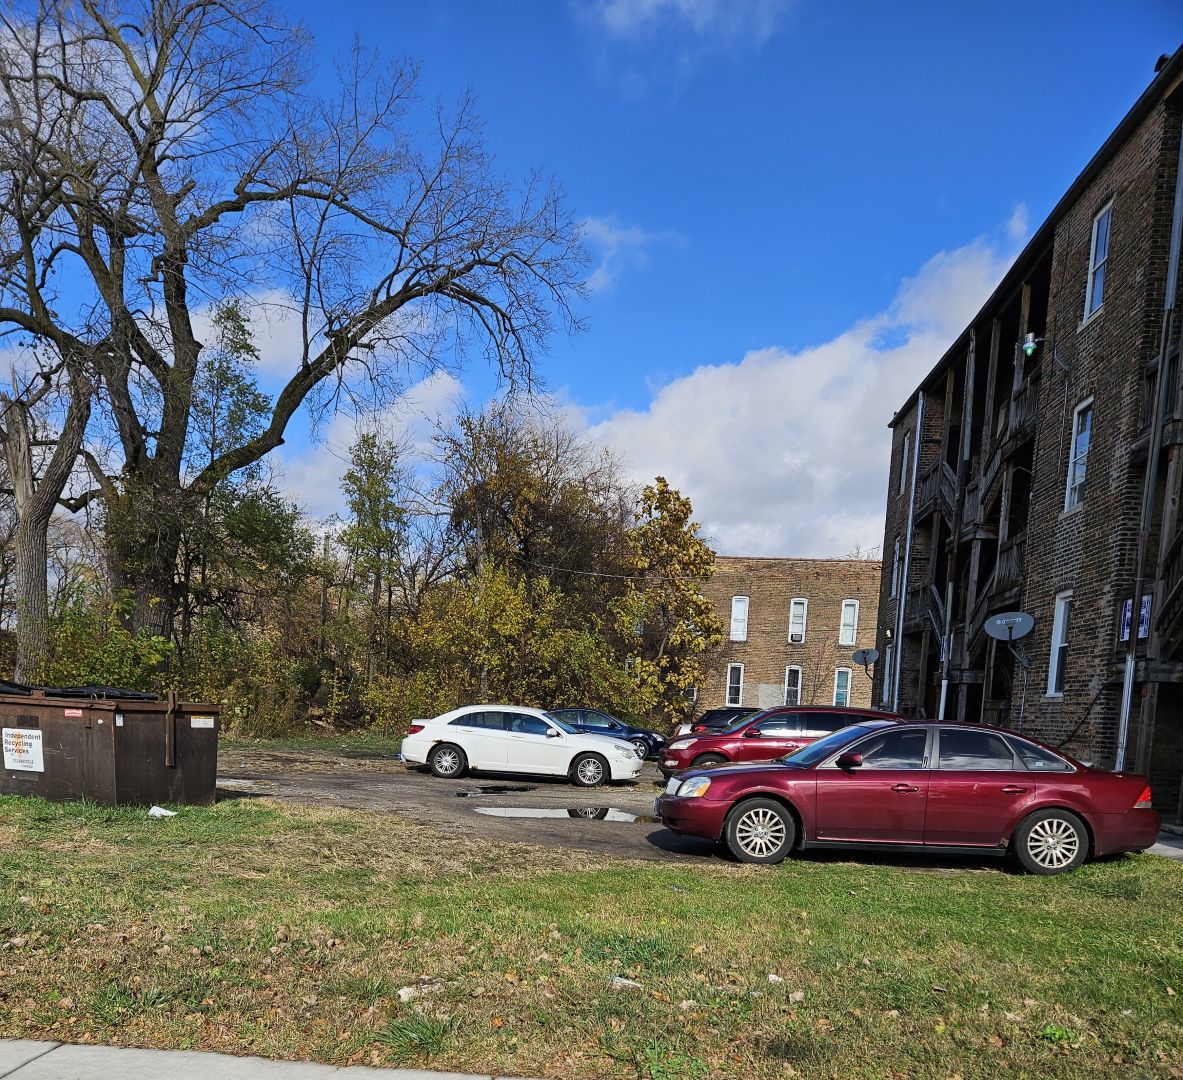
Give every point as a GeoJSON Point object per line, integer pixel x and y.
{"type": "Point", "coordinates": [792, 627]}
{"type": "Point", "coordinates": [1029, 461]}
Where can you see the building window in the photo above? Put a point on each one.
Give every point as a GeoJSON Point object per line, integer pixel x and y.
{"type": "Point", "coordinates": [897, 562]}
{"type": "Point", "coordinates": [1057, 669]}
{"type": "Point", "coordinates": [1094, 294]}
{"type": "Point", "coordinates": [798, 613]}
{"type": "Point", "coordinates": [905, 461]}
{"type": "Point", "coordinates": [1078, 453]}
{"type": "Point", "coordinates": [842, 686]}
{"type": "Point", "coordinates": [888, 674]}
{"type": "Point", "coordinates": [739, 618]}
{"type": "Point", "coordinates": [848, 629]}
{"type": "Point", "coordinates": [735, 684]}
{"type": "Point", "coordinates": [792, 685]}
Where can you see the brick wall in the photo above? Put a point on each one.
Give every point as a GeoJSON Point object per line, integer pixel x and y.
{"type": "Point", "coordinates": [770, 585]}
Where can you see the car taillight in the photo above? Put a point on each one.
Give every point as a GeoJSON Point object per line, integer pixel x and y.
{"type": "Point", "coordinates": [1143, 801]}
{"type": "Point", "coordinates": [414, 729]}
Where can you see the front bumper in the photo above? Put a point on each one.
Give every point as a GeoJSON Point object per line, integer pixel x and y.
{"type": "Point", "coordinates": [694, 817]}
{"type": "Point", "coordinates": [625, 768]}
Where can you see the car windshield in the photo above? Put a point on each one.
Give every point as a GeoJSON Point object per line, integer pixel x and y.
{"type": "Point", "coordinates": [823, 748]}
{"type": "Point", "coordinates": [561, 724]}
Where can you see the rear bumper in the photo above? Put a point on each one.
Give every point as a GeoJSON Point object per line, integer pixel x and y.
{"type": "Point", "coordinates": [415, 750]}
{"type": "Point", "coordinates": [1134, 830]}
{"type": "Point", "coordinates": [695, 817]}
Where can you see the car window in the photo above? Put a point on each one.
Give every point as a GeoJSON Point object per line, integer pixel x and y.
{"type": "Point", "coordinates": [822, 723]}
{"type": "Point", "coordinates": [961, 749]}
{"type": "Point", "coordinates": [831, 744]}
{"type": "Point", "coordinates": [528, 725]}
{"type": "Point", "coordinates": [562, 725]}
{"type": "Point", "coordinates": [788, 724]}
{"type": "Point", "coordinates": [1037, 758]}
{"type": "Point", "coordinates": [493, 720]}
{"type": "Point", "coordinates": [893, 749]}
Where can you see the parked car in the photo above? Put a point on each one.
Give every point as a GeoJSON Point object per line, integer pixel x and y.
{"type": "Point", "coordinates": [925, 786]}
{"type": "Point", "coordinates": [649, 743]}
{"type": "Point", "coordinates": [762, 736]}
{"type": "Point", "coordinates": [517, 739]}
{"type": "Point", "coordinates": [717, 719]}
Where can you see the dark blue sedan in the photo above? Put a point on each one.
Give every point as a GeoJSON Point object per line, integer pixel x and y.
{"type": "Point", "coordinates": [595, 722]}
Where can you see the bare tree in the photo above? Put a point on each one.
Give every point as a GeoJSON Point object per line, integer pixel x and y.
{"type": "Point", "coordinates": [163, 156]}
{"type": "Point", "coordinates": [39, 461]}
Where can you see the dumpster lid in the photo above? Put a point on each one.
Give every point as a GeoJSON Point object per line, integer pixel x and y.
{"type": "Point", "coordinates": [96, 690]}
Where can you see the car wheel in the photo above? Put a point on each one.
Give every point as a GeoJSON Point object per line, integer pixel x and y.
{"type": "Point", "coordinates": [642, 747]}
{"type": "Point", "coordinates": [707, 759]}
{"type": "Point", "coordinates": [760, 831]}
{"type": "Point", "coordinates": [589, 770]}
{"type": "Point", "coordinates": [447, 761]}
{"type": "Point", "coordinates": [1051, 842]}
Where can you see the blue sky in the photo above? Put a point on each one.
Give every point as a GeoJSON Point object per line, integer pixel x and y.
{"type": "Point", "coordinates": [793, 206]}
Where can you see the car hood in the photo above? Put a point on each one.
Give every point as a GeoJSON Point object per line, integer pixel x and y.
{"type": "Point", "coordinates": [599, 742]}
{"type": "Point", "coordinates": [724, 768]}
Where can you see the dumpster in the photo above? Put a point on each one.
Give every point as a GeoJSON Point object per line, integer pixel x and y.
{"type": "Point", "coordinates": [106, 745]}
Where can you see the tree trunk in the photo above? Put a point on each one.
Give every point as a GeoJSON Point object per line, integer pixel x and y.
{"type": "Point", "coordinates": [32, 631]}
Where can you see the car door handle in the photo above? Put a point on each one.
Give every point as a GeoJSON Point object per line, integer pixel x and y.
{"type": "Point", "coordinates": [1014, 789]}
{"type": "Point", "coordinates": [903, 789]}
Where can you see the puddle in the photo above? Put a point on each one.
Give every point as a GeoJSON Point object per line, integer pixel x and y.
{"type": "Point", "coordinates": [494, 789]}
{"type": "Point", "coordinates": [588, 813]}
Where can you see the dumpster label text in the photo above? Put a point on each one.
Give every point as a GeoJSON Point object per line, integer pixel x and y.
{"type": "Point", "coordinates": [22, 749]}
{"type": "Point", "coordinates": [202, 722]}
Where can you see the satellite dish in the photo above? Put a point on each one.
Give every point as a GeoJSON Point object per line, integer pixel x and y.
{"type": "Point", "coordinates": [1010, 625]}
{"type": "Point", "coordinates": [866, 656]}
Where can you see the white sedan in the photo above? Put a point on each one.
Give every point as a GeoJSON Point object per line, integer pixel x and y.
{"type": "Point", "coordinates": [517, 739]}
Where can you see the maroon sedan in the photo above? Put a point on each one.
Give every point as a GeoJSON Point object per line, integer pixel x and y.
{"type": "Point", "coordinates": [927, 786]}
{"type": "Point", "coordinates": [770, 734]}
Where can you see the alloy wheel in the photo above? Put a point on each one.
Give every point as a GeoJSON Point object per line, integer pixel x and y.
{"type": "Point", "coordinates": [590, 771]}
{"type": "Point", "coordinates": [760, 832]}
{"type": "Point", "coordinates": [1053, 843]}
{"type": "Point", "coordinates": [447, 762]}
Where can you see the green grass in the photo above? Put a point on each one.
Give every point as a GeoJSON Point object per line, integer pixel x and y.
{"type": "Point", "coordinates": [248, 928]}
{"type": "Point", "coordinates": [360, 742]}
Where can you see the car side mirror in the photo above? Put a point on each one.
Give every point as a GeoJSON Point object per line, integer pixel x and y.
{"type": "Point", "coordinates": [849, 761]}
{"type": "Point", "coordinates": [553, 733]}
{"type": "Point", "coordinates": [752, 733]}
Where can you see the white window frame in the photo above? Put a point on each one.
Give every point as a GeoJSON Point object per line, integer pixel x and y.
{"type": "Point", "coordinates": [1095, 264]}
{"type": "Point", "coordinates": [800, 679]}
{"type": "Point", "coordinates": [727, 689]}
{"type": "Point", "coordinates": [842, 627]}
{"type": "Point", "coordinates": [1070, 483]}
{"type": "Point", "coordinates": [1061, 629]}
{"type": "Point", "coordinates": [905, 462]}
{"type": "Point", "coordinates": [888, 672]}
{"type": "Point", "coordinates": [804, 602]}
{"type": "Point", "coordinates": [897, 564]}
{"type": "Point", "coordinates": [739, 628]}
{"type": "Point", "coordinates": [849, 673]}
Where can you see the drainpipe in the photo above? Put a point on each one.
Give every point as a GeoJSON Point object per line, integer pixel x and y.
{"type": "Point", "coordinates": [1153, 452]}
{"type": "Point", "coordinates": [903, 598]}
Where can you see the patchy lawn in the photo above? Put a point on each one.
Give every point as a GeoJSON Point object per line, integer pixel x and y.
{"type": "Point", "coordinates": [247, 928]}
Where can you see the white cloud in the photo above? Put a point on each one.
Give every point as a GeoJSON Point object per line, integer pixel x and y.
{"type": "Point", "coordinates": [619, 247]}
{"type": "Point", "coordinates": [312, 475]}
{"type": "Point", "coordinates": [751, 21]}
{"type": "Point", "coordinates": [785, 453]}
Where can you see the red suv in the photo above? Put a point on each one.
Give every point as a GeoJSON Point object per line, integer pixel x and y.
{"type": "Point", "coordinates": [764, 736]}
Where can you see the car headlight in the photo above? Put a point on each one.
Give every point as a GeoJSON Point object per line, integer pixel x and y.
{"type": "Point", "coordinates": [681, 744]}
{"type": "Point", "coordinates": [694, 788]}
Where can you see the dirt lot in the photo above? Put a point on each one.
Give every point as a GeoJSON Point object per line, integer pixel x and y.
{"type": "Point", "coordinates": [611, 820]}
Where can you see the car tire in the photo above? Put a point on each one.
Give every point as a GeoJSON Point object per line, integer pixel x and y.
{"type": "Point", "coordinates": [641, 747]}
{"type": "Point", "coordinates": [447, 761]}
{"type": "Point", "coordinates": [760, 831]}
{"type": "Point", "coordinates": [589, 770]}
{"type": "Point", "coordinates": [1051, 842]}
{"type": "Point", "coordinates": [707, 759]}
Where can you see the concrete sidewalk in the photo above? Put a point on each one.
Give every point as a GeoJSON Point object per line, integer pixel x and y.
{"type": "Point", "coordinates": [1169, 844]}
{"type": "Point", "coordinates": [28, 1060]}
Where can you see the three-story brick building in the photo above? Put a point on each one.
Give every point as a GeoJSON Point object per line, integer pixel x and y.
{"type": "Point", "coordinates": [792, 626]}
{"type": "Point", "coordinates": [1032, 465]}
